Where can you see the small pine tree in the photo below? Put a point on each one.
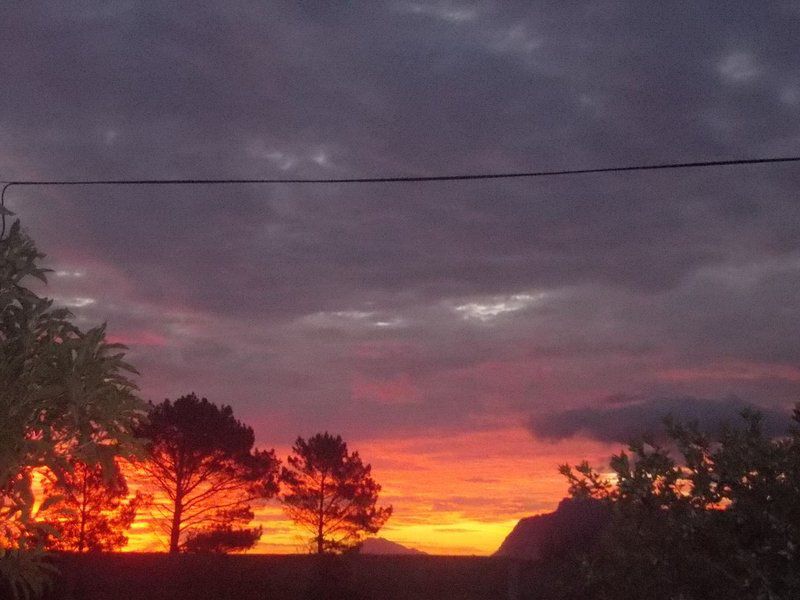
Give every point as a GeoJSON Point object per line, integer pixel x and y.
{"type": "Point", "coordinates": [330, 492]}
{"type": "Point", "coordinates": [96, 509]}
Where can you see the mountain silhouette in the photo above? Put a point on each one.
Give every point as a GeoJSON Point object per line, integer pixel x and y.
{"type": "Point", "coordinates": [386, 547]}
{"type": "Point", "coordinates": [574, 523]}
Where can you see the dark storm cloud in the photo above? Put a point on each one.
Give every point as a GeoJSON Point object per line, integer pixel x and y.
{"type": "Point", "coordinates": [623, 419]}
{"type": "Point", "coordinates": [388, 308]}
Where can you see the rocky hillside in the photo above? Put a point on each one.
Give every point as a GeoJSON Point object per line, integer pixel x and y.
{"type": "Point", "coordinates": [574, 522]}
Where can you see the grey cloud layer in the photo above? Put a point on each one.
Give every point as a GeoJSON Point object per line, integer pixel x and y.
{"type": "Point", "coordinates": [624, 420]}
{"type": "Point", "coordinates": [271, 297]}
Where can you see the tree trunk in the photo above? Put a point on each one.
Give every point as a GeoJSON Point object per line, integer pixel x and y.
{"type": "Point", "coordinates": [83, 511]}
{"type": "Point", "coordinates": [320, 547]}
{"type": "Point", "coordinates": [175, 529]}
{"type": "Point", "coordinates": [320, 517]}
{"type": "Point", "coordinates": [82, 533]}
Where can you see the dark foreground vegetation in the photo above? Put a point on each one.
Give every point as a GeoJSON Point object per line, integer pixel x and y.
{"type": "Point", "coordinates": [298, 577]}
{"type": "Point", "coordinates": [688, 517]}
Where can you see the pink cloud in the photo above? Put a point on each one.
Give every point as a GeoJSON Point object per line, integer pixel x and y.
{"type": "Point", "coordinates": [394, 390]}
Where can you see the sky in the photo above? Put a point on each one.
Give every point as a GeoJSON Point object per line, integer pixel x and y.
{"type": "Point", "coordinates": [465, 337]}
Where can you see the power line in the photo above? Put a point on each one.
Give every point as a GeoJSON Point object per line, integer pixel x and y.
{"type": "Point", "coordinates": [392, 179]}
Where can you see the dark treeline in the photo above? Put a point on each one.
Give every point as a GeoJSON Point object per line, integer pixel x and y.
{"type": "Point", "coordinates": [207, 473]}
{"type": "Point", "coordinates": [199, 475]}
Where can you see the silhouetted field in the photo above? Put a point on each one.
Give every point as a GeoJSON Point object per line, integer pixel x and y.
{"type": "Point", "coordinates": [244, 577]}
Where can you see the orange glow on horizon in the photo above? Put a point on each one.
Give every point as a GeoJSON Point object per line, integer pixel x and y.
{"type": "Point", "coordinates": [457, 494]}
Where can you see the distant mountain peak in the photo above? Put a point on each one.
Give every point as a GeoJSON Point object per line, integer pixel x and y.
{"type": "Point", "coordinates": [380, 545]}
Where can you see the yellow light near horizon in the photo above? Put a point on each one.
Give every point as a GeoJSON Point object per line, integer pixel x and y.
{"type": "Point", "coordinates": [458, 494]}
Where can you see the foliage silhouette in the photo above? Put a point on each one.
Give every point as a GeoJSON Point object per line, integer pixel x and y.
{"type": "Point", "coordinates": [65, 395]}
{"type": "Point", "coordinates": [330, 493]}
{"type": "Point", "coordinates": [222, 540]}
{"type": "Point", "coordinates": [95, 509]}
{"type": "Point", "coordinates": [723, 521]}
{"type": "Point", "coordinates": [204, 462]}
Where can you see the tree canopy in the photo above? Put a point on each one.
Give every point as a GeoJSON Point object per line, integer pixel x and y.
{"type": "Point", "coordinates": [65, 394]}
{"type": "Point", "coordinates": [720, 521]}
{"type": "Point", "coordinates": [204, 462]}
{"type": "Point", "coordinates": [330, 493]}
{"type": "Point", "coordinates": [96, 510]}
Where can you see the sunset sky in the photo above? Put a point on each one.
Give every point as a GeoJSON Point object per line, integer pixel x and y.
{"type": "Point", "coordinates": [465, 337]}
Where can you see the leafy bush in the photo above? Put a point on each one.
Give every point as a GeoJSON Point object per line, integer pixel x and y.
{"type": "Point", "coordinates": [65, 395]}
{"type": "Point", "coordinates": [723, 521]}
